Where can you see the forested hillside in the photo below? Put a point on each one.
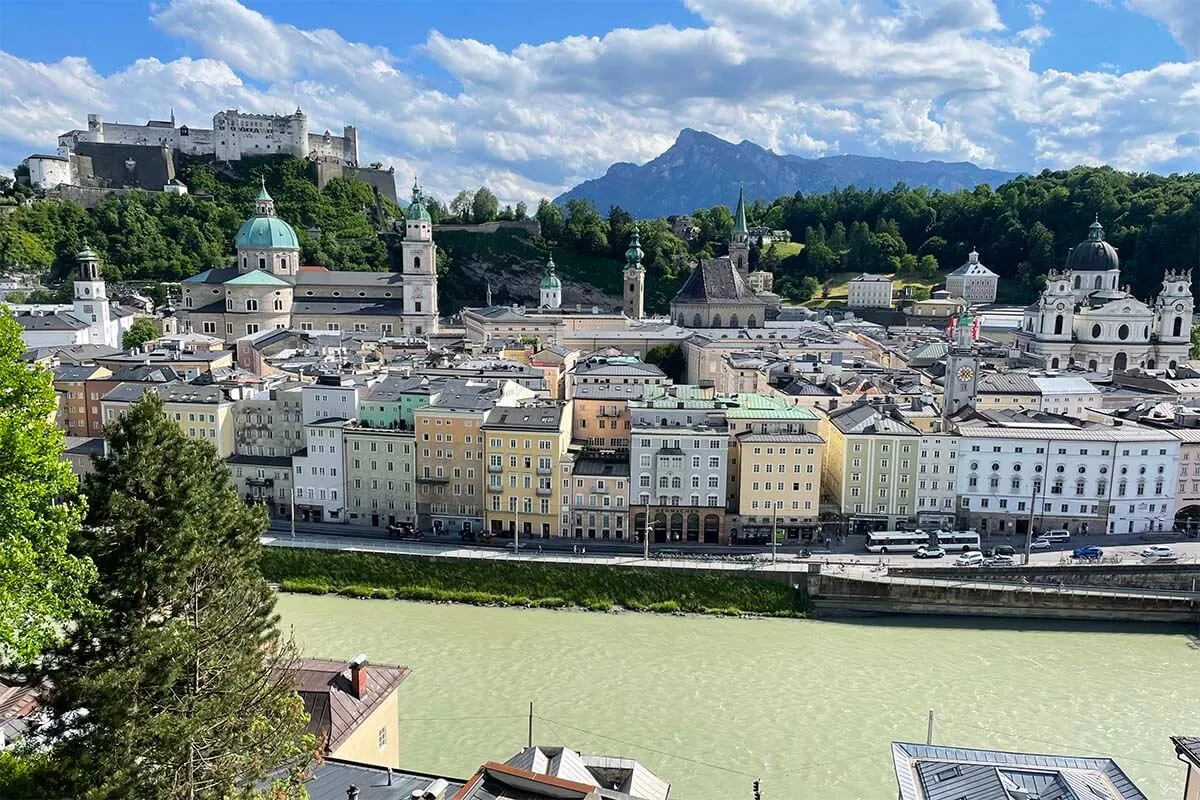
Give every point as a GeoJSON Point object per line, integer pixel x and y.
{"type": "Point", "coordinates": [1021, 229]}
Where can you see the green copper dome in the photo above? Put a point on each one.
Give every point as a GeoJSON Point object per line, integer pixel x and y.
{"type": "Point", "coordinates": [266, 232]}
{"type": "Point", "coordinates": [633, 256]}
{"type": "Point", "coordinates": [87, 253]}
{"type": "Point", "coordinates": [551, 280]}
{"type": "Point", "coordinates": [417, 211]}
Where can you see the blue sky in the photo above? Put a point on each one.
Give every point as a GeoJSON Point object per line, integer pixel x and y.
{"type": "Point", "coordinates": [532, 96]}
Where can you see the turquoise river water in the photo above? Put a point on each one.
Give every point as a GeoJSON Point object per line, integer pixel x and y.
{"type": "Point", "coordinates": [810, 707]}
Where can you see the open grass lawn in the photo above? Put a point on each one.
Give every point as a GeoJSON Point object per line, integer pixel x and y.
{"type": "Point", "coordinates": [786, 249]}
{"type": "Point", "coordinates": [835, 289]}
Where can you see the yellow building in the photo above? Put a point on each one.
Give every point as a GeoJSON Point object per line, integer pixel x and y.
{"type": "Point", "coordinates": [525, 449]}
{"type": "Point", "coordinates": [871, 465]}
{"type": "Point", "coordinates": [354, 708]}
{"type": "Point", "coordinates": [600, 420]}
{"type": "Point", "coordinates": [449, 457]}
{"type": "Point", "coordinates": [201, 412]}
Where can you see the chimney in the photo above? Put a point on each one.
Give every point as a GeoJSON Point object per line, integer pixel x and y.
{"type": "Point", "coordinates": [358, 677]}
{"type": "Point", "coordinates": [352, 792]}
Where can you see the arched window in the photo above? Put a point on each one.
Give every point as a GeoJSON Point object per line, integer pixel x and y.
{"type": "Point", "coordinates": [1120, 362]}
{"type": "Point", "coordinates": [663, 482]}
{"type": "Point", "coordinates": [696, 322]}
{"type": "Point", "coordinates": [187, 301]}
{"type": "Point", "coordinates": [1058, 325]}
{"type": "Point", "coordinates": [1150, 362]}
{"type": "Point", "coordinates": [245, 263]}
{"type": "Point", "coordinates": [681, 319]}
{"type": "Point", "coordinates": [1146, 332]}
{"type": "Point", "coordinates": [278, 304]}
{"type": "Point", "coordinates": [716, 320]}
{"type": "Point", "coordinates": [752, 322]}
{"type": "Point", "coordinates": [283, 263]}
{"type": "Point", "coordinates": [1123, 332]}
{"type": "Point", "coordinates": [1092, 365]}
{"type": "Point", "coordinates": [1099, 282]}
{"type": "Point", "coordinates": [251, 304]}
{"type": "Point", "coordinates": [1054, 363]}
{"type": "Point", "coordinates": [1029, 324]}
{"type": "Point", "coordinates": [733, 320]}
{"type": "Point", "coordinates": [416, 262]}
{"type": "Point", "coordinates": [262, 262]}
{"type": "Point", "coordinates": [1177, 330]}
{"type": "Point", "coordinates": [631, 287]}
{"type": "Point", "coordinates": [1077, 282]}
{"type": "Point", "coordinates": [1171, 365]}
{"type": "Point", "coordinates": [676, 483]}
{"type": "Point", "coordinates": [1096, 331]}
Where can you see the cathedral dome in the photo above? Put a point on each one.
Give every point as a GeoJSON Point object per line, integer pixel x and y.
{"type": "Point", "coordinates": [266, 232]}
{"type": "Point", "coordinates": [550, 281]}
{"type": "Point", "coordinates": [1094, 254]}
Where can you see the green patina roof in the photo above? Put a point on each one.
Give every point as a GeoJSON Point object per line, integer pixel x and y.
{"type": "Point", "coordinates": [262, 193]}
{"type": "Point", "coordinates": [551, 280]}
{"type": "Point", "coordinates": [87, 253]}
{"type": "Point", "coordinates": [416, 209]}
{"type": "Point", "coordinates": [257, 278]}
{"type": "Point", "coordinates": [633, 256]}
{"type": "Point", "coordinates": [739, 221]}
{"type": "Point", "coordinates": [268, 232]}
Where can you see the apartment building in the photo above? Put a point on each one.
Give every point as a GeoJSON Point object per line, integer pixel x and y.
{"type": "Point", "coordinates": [1054, 394]}
{"type": "Point", "coordinates": [937, 485]}
{"type": "Point", "coordinates": [392, 402]}
{"type": "Point", "coordinates": [450, 451]}
{"type": "Point", "coordinates": [263, 479]}
{"type": "Point", "coordinates": [76, 416]}
{"type": "Point", "coordinates": [555, 361]}
{"type": "Point", "coordinates": [269, 423]}
{"type": "Point", "coordinates": [779, 476]}
{"type": "Point", "coordinates": [869, 291]}
{"type": "Point", "coordinates": [871, 465]}
{"type": "Point", "coordinates": [320, 474]}
{"type": "Point", "coordinates": [1017, 469]}
{"type": "Point", "coordinates": [380, 475]}
{"type": "Point", "coordinates": [599, 490]}
{"type": "Point", "coordinates": [525, 445]}
{"type": "Point", "coordinates": [614, 370]}
{"type": "Point", "coordinates": [601, 421]}
{"type": "Point", "coordinates": [201, 412]}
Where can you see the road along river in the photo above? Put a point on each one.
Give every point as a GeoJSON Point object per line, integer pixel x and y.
{"type": "Point", "coordinates": [810, 707]}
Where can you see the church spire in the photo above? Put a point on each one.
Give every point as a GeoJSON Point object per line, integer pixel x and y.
{"type": "Point", "coordinates": [264, 206]}
{"type": "Point", "coordinates": [633, 256]}
{"type": "Point", "coordinates": [739, 222]}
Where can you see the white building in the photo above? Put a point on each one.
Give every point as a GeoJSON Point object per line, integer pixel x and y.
{"type": "Point", "coordinates": [1085, 319]}
{"type": "Point", "coordinates": [327, 407]}
{"type": "Point", "coordinates": [869, 291]}
{"type": "Point", "coordinates": [1069, 395]}
{"type": "Point", "coordinates": [550, 289]}
{"type": "Point", "coordinates": [1059, 473]}
{"type": "Point", "coordinates": [973, 282]}
{"type": "Point", "coordinates": [48, 171]}
{"type": "Point", "coordinates": [937, 485]}
{"type": "Point", "coordinates": [93, 318]}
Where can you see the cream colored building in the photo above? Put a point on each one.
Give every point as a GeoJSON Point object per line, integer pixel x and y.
{"type": "Point", "coordinates": [525, 448]}
{"type": "Point", "coordinates": [201, 412]}
{"type": "Point", "coordinates": [380, 476]}
{"type": "Point", "coordinates": [869, 291]}
{"type": "Point", "coordinates": [779, 481]}
{"type": "Point", "coordinates": [1069, 395]}
{"type": "Point", "coordinates": [871, 465]}
{"type": "Point", "coordinates": [354, 708]}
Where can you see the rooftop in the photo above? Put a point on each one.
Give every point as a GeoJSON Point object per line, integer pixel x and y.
{"type": "Point", "coordinates": [333, 777]}
{"type": "Point", "coordinates": [714, 280]}
{"type": "Point", "coordinates": [546, 417]}
{"type": "Point", "coordinates": [601, 468]}
{"type": "Point", "coordinates": [335, 707]}
{"type": "Point", "coordinates": [932, 772]}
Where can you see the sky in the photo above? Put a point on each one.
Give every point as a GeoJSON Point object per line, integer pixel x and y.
{"type": "Point", "coordinates": [532, 96]}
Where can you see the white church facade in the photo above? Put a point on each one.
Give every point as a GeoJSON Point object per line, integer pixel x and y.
{"type": "Point", "coordinates": [1085, 319]}
{"type": "Point", "coordinates": [90, 319]}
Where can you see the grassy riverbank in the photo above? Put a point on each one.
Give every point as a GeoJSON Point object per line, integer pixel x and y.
{"type": "Point", "coordinates": [524, 584]}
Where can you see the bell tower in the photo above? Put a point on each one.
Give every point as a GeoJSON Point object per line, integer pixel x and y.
{"type": "Point", "coordinates": [635, 278]}
{"type": "Point", "coordinates": [419, 265]}
{"type": "Point", "coordinates": [962, 366]}
{"type": "Point", "coordinates": [91, 299]}
{"type": "Point", "coordinates": [739, 240]}
{"type": "Point", "coordinates": [1174, 307]}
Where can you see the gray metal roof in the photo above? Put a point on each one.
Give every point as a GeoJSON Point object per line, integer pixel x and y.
{"type": "Point", "coordinates": [170, 393]}
{"type": "Point", "coordinates": [601, 468]}
{"type": "Point", "coordinates": [71, 373]}
{"type": "Point", "coordinates": [1188, 746]}
{"type": "Point", "coordinates": [334, 710]}
{"type": "Point", "coordinates": [318, 277]}
{"type": "Point", "coordinates": [333, 777]}
{"type": "Point", "coordinates": [870, 419]}
{"type": "Point", "coordinates": [714, 280]}
{"type": "Point", "coordinates": [542, 417]}
{"type": "Point", "coordinates": [934, 772]}
{"type": "Point", "coordinates": [608, 391]}
{"type": "Point", "coordinates": [58, 321]}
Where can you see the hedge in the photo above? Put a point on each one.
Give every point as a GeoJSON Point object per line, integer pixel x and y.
{"type": "Point", "coordinates": [493, 582]}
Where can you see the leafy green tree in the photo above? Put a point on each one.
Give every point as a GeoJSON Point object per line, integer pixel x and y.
{"type": "Point", "coordinates": [462, 205]}
{"type": "Point", "coordinates": [618, 220]}
{"type": "Point", "coordinates": [809, 286]}
{"type": "Point", "coordinates": [185, 678]}
{"type": "Point", "coordinates": [769, 259]}
{"type": "Point", "coordinates": [927, 267]}
{"type": "Point", "coordinates": [42, 585]}
{"type": "Point", "coordinates": [141, 331]}
{"type": "Point", "coordinates": [837, 238]}
{"type": "Point", "coordinates": [15, 298]}
{"type": "Point", "coordinates": [919, 292]}
{"type": "Point", "coordinates": [1194, 352]}
{"type": "Point", "coordinates": [550, 217]}
{"type": "Point", "coordinates": [908, 264]}
{"type": "Point", "coordinates": [584, 227]}
{"type": "Point", "coordinates": [521, 211]}
{"type": "Point", "coordinates": [670, 359]}
{"type": "Point", "coordinates": [484, 206]}
{"type": "Point", "coordinates": [861, 255]}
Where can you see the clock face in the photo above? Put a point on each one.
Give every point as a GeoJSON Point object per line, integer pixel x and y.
{"type": "Point", "coordinates": [965, 374]}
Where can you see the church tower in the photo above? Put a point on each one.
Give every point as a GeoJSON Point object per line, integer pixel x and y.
{"type": "Point", "coordinates": [419, 266]}
{"type": "Point", "coordinates": [91, 299]}
{"type": "Point", "coordinates": [962, 366]}
{"type": "Point", "coordinates": [550, 289]}
{"type": "Point", "coordinates": [635, 278]}
{"type": "Point", "coordinates": [1173, 309]}
{"type": "Point", "coordinates": [739, 240]}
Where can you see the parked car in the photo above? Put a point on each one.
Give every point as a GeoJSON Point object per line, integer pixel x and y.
{"type": "Point", "coordinates": [929, 552]}
{"type": "Point", "coordinates": [971, 559]}
{"type": "Point", "coordinates": [1060, 535]}
{"type": "Point", "coordinates": [1090, 553]}
{"type": "Point", "coordinates": [1041, 544]}
{"type": "Point", "coordinates": [1000, 561]}
{"type": "Point", "coordinates": [1003, 550]}
{"type": "Point", "coordinates": [1160, 552]}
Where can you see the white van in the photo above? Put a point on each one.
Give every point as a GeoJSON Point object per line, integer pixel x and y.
{"type": "Point", "coordinates": [972, 559]}
{"type": "Point", "coordinates": [1062, 535]}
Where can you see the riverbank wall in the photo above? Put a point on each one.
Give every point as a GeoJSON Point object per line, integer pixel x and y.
{"type": "Point", "coordinates": [521, 583]}
{"type": "Point", "coordinates": [1172, 577]}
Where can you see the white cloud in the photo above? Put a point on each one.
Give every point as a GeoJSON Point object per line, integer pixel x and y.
{"type": "Point", "coordinates": [1182, 18]}
{"type": "Point", "coordinates": [940, 79]}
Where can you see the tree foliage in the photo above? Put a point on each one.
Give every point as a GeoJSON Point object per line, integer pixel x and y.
{"type": "Point", "coordinates": [42, 585]}
{"type": "Point", "coordinates": [141, 331]}
{"type": "Point", "coordinates": [184, 676]}
{"type": "Point", "coordinates": [484, 205]}
{"type": "Point", "coordinates": [670, 359]}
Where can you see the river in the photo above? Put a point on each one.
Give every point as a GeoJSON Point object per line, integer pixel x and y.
{"type": "Point", "coordinates": [811, 707]}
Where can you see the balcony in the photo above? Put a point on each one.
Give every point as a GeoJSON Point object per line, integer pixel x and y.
{"type": "Point", "coordinates": [495, 488]}
{"type": "Point", "coordinates": [545, 470]}
{"type": "Point", "coordinates": [267, 482]}
{"type": "Point", "coordinates": [545, 491]}
{"type": "Point", "coordinates": [495, 468]}
{"type": "Point", "coordinates": [432, 479]}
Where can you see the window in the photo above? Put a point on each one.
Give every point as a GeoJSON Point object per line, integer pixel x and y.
{"type": "Point", "coordinates": [383, 738]}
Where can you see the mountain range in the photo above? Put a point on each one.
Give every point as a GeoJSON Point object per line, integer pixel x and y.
{"type": "Point", "coordinates": [701, 170]}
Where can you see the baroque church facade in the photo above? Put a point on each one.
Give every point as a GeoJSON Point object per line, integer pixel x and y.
{"type": "Point", "coordinates": [1086, 319]}
{"type": "Point", "coordinates": [268, 288]}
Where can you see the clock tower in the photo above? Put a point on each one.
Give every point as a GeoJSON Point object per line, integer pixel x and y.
{"type": "Point", "coordinates": [962, 366]}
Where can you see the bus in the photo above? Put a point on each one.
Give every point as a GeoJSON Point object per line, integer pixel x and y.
{"type": "Point", "coordinates": [896, 541]}
{"type": "Point", "coordinates": [911, 541]}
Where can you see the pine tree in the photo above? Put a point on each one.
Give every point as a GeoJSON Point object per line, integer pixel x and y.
{"type": "Point", "coordinates": [185, 677]}
{"type": "Point", "coordinates": [42, 586]}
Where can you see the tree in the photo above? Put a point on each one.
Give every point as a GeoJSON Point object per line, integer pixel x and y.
{"type": "Point", "coordinates": [484, 206]}
{"type": "Point", "coordinates": [769, 259]}
{"type": "Point", "coordinates": [618, 220]}
{"type": "Point", "coordinates": [521, 211]}
{"type": "Point", "coordinates": [42, 585]}
{"type": "Point", "coordinates": [927, 267]}
{"type": "Point", "coordinates": [141, 331]}
{"type": "Point", "coordinates": [462, 205]}
{"type": "Point", "coordinates": [670, 359]}
{"type": "Point", "coordinates": [1194, 352]}
{"type": "Point", "coordinates": [585, 228]}
{"type": "Point", "coordinates": [550, 217]}
{"type": "Point", "coordinates": [919, 292]}
{"type": "Point", "coordinates": [186, 681]}
{"type": "Point", "coordinates": [15, 297]}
